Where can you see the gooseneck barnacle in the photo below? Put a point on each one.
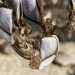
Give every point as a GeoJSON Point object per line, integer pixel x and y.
{"type": "Point", "coordinates": [13, 24]}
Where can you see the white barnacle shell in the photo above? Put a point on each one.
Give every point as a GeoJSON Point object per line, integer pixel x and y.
{"type": "Point", "coordinates": [72, 4]}
{"type": "Point", "coordinates": [31, 12]}
{"type": "Point", "coordinates": [49, 48]}
{"type": "Point", "coordinates": [6, 19]}
{"type": "Point", "coordinates": [6, 24]}
{"type": "Point", "coordinates": [15, 5]}
{"type": "Point", "coordinates": [73, 1]}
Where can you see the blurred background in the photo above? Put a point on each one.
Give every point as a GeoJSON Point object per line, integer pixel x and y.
{"type": "Point", "coordinates": [12, 64]}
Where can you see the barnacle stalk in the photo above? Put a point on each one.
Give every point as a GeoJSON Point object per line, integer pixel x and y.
{"type": "Point", "coordinates": [71, 22]}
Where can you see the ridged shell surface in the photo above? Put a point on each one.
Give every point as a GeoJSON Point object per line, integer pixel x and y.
{"type": "Point", "coordinates": [6, 19]}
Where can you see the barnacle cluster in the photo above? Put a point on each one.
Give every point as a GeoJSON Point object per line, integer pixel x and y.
{"type": "Point", "coordinates": [15, 15]}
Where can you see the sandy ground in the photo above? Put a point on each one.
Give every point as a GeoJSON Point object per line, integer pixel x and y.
{"type": "Point", "coordinates": [12, 64]}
